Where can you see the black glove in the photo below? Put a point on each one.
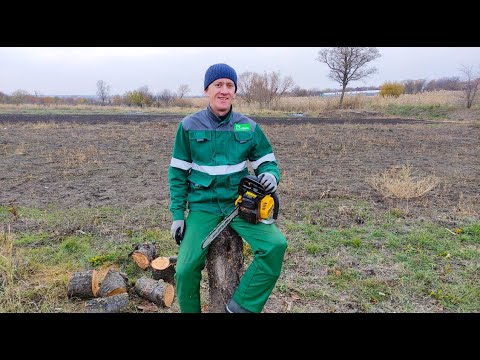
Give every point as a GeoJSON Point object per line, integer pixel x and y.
{"type": "Point", "coordinates": [268, 181]}
{"type": "Point", "coordinates": [177, 230]}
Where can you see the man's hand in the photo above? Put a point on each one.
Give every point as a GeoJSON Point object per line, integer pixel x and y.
{"type": "Point", "coordinates": [268, 181]}
{"type": "Point", "coordinates": [177, 230]}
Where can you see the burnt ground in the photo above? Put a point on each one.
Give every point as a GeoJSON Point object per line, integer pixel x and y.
{"type": "Point", "coordinates": [121, 161]}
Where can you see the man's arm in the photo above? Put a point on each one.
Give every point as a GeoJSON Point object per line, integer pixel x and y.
{"type": "Point", "coordinates": [178, 172]}
{"type": "Point", "coordinates": [262, 157]}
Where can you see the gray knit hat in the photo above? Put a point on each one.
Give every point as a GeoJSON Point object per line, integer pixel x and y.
{"type": "Point", "coordinates": [220, 71]}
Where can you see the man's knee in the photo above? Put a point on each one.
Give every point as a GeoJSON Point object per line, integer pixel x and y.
{"type": "Point", "coordinates": [183, 271]}
{"type": "Point", "coordinates": [279, 246]}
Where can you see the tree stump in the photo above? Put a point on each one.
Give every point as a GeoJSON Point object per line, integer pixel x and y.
{"type": "Point", "coordinates": [83, 285]}
{"type": "Point", "coordinates": [143, 254]}
{"type": "Point", "coordinates": [111, 304]}
{"type": "Point", "coordinates": [224, 268]}
{"type": "Point", "coordinates": [114, 283]}
{"type": "Point", "coordinates": [157, 291]}
{"type": "Point", "coordinates": [164, 268]}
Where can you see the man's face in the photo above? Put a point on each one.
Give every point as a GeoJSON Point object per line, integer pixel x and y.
{"type": "Point", "coordinates": [221, 93]}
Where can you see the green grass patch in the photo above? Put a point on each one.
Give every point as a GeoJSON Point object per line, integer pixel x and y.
{"type": "Point", "coordinates": [388, 263]}
{"type": "Point", "coordinates": [432, 111]}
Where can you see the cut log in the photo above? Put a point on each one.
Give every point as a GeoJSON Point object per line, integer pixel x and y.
{"type": "Point", "coordinates": [114, 283]}
{"type": "Point", "coordinates": [143, 254]}
{"type": "Point", "coordinates": [83, 285]}
{"type": "Point", "coordinates": [164, 268]}
{"type": "Point", "coordinates": [112, 304]}
{"type": "Point", "coordinates": [157, 291]}
{"type": "Point", "coordinates": [224, 267]}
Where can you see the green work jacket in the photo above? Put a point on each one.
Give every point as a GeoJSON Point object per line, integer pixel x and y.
{"type": "Point", "coordinates": [209, 158]}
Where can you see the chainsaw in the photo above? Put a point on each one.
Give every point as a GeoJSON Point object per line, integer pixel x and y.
{"type": "Point", "coordinates": [253, 205]}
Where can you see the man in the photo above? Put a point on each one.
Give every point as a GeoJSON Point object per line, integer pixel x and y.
{"type": "Point", "coordinates": [209, 159]}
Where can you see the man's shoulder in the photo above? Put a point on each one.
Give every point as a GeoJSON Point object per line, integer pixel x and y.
{"type": "Point", "coordinates": [196, 117]}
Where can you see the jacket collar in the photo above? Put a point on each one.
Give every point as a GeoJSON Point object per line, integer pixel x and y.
{"type": "Point", "coordinates": [216, 118]}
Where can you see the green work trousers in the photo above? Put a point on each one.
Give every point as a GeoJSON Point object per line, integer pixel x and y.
{"type": "Point", "coordinates": [268, 245]}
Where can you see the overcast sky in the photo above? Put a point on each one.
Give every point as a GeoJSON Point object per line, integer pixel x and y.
{"type": "Point", "coordinates": [76, 70]}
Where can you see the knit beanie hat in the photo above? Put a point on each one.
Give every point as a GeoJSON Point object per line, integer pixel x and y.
{"type": "Point", "coordinates": [220, 71]}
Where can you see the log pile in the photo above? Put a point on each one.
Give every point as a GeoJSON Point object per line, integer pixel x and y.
{"type": "Point", "coordinates": [114, 283]}
{"type": "Point", "coordinates": [83, 285]}
{"type": "Point", "coordinates": [143, 254]}
{"type": "Point", "coordinates": [103, 298]}
{"type": "Point", "coordinates": [163, 268]}
{"type": "Point", "coordinates": [112, 304]}
{"type": "Point", "coordinates": [157, 291]}
{"type": "Point", "coordinates": [110, 294]}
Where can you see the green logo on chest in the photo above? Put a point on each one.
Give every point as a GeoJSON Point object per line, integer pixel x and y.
{"type": "Point", "coordinates": [242, 127]}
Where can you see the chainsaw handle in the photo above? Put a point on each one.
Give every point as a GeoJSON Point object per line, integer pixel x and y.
{"type": "Point", "coordinates": [276, 205]}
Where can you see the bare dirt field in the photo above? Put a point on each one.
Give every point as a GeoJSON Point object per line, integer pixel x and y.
{"type": "Point", "coordinates": [110, 160]}
{"type": "Point", "coordinates": [80, 161]}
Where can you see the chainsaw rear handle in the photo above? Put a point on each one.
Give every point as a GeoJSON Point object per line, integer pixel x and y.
{"type": "Point", "coordinates": [276, 205]}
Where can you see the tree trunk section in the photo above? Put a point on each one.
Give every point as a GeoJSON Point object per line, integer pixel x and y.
{"type": "Point", "coordinates": [83, 285]}
{"type": "Point", "coordinates": [157, 291]}
{"type": "Point", "coordinates": [114, 283]}
{"type": "Point", "coordinates": [224, 268]}
{"type": "Point", "coordinates": [112, 304]}
{"type": "Point", "coordinates": [164, 268]}
{"type": "Point", "coordinates": [143, 254]}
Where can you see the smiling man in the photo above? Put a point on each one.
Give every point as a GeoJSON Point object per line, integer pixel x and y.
{"type": "Point", "coordinates": [209, 158]}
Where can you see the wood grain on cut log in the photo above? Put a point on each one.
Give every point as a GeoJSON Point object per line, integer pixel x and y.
{"type": "Point", "coordinates": [83, 284]}
{"type": "Point", "coordinates": [111, 304]}
{"type": "Point", "coordinates": [224, 268]}
{"type": "Point", "coordinates": [164, 268]}
{"type": "Point", "coordinates": [114, 283]}
{"type": "Point", "coordinates": [157, 291]}
{"type": "Point", "coordinates": [143, 254]}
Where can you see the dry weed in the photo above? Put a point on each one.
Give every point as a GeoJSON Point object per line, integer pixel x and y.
{"type": "Point", "coordinates": [397, 182]}
{"type": "Point", "coordinates": [467, 205]}
{"type": "Point", "coordinates": [44, 125]}
{"type": "Point", "coordinates": [76, 157]}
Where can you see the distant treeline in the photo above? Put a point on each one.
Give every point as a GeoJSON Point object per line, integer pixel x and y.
{"type": "Point", "coordinates": [142, 97]}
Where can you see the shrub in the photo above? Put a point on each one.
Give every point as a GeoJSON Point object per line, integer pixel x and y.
{"type": "Point", "coordinates": [394, 89]}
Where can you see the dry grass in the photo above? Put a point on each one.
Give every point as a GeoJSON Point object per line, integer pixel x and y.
{"type": "Point", "coordinates": [441, 97]}
{"type": "Point", "coordinates": [79, 156]}
{"type": "Point", "coordinates": [44, 125]}
{"type": "Point", "coordinates": [311, 105]}
{"type": "Point", "coordinates": [316, 104]}
{"type": "Point", "coordinates": [466, 205]}
{"type": "Point", "coordinates": [11, 150]}
{"type": "Point", "coordinates": [9, 294]}
{"type": "Point", "coordinates": [188, 106]}
{"type": "Point", "coordinates": [397, 182]}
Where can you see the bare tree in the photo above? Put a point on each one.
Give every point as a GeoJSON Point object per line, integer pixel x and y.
{"type": "Point", "coordinates": [165, 98]}
{"type": "Point", "coordinates": [414, 86]}
{"type": "Point", "coordinates": [19, 96]}
{"type": "Point", "coordinates": [103, 91]}
{"type": "Point", "coordinates": [245, 84]}
{"type": "Point", "coordinates": [472, 81]}
{"type": "Point", "coordinates": [348, 64]}
{"type": "Point", "coordinates": [183, 90]}
{"type": "Point", "coordinates": [445, 83]}
{"type": "Point", "coordinates": [146, 96]}
{"type": "Point", "coordinates": [264, 89]}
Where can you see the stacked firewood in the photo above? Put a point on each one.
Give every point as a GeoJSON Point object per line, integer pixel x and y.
{"type": "Point", "coordinates": [111, 294]}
